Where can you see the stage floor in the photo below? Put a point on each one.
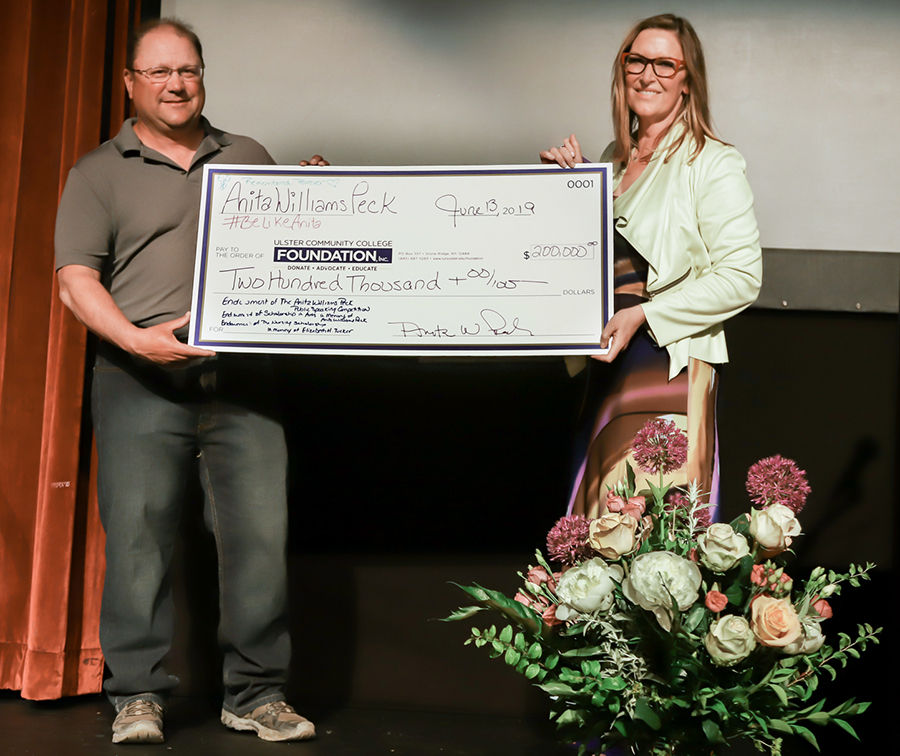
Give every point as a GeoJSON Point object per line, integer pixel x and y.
{"type": "Point", "coordinates": [82, 725]}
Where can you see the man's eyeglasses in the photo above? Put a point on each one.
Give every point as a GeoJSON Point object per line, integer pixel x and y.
{"type": "Point", "coordinates": [664, 68]}
{"type": "Point", "coordinates": [159, 74]}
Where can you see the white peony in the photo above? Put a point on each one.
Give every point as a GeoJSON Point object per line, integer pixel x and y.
{"type": "Point", "coordinates": [587, 588]}
{"type": "Point", "coordinates": [655, 576]}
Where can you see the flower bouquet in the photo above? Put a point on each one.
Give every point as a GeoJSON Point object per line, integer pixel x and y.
{"type": "Point", "coordinates": [667, 634]}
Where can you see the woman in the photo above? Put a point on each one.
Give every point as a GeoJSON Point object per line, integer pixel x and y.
{"type": "Point", "coordinates": [687, 258]}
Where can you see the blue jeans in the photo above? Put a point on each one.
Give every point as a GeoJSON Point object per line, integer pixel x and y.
{"type": "Point", "coordinates": [155, 427]}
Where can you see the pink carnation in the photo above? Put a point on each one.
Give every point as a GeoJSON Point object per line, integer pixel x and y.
{"type": "Point", "coordinates": [659, 446]}
{"type": "Point", "coordinates": [776, 480]}
{"type": "Point", "coordinates": [567, 541]}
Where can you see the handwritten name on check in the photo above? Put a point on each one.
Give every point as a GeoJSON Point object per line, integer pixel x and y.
{"type": "Point", "coordinates": [486, 260]}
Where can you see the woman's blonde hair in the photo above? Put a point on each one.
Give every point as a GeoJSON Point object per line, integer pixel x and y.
{"type": "Point", "coordinates": [694, 105]}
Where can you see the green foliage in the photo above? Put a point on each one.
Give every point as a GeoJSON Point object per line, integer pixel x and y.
{"type": "Point", "coordinates": [619, 676]}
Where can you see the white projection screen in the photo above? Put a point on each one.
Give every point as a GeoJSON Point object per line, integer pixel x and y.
{"type": "Point", "coordinates": [807, 91]}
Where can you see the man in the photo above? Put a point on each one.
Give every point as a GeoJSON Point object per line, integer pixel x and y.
{"type": "Point", "coordinates": [125, 238]}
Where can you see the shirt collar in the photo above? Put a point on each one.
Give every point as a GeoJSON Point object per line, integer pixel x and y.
{"type": "Point", "coordinates": [128, 144]}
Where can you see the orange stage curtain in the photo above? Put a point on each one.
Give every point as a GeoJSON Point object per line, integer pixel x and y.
{"type": "Point", "coordinates": [60, 93]}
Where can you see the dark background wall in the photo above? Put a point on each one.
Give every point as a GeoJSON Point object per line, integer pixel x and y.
{"type": "Point", "coordinates": [408, 474]}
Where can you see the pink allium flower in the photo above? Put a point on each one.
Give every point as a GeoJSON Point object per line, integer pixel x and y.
{"type": "Point", "coordinates": [659, 446]}
{"type": "Point", "coordinates": [776, 480]}
{"type": "Point", "coordinates": [567, 541]}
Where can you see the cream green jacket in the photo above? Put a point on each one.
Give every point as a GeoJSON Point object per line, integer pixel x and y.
{"type": "Point", "coordinates": [693, 223]}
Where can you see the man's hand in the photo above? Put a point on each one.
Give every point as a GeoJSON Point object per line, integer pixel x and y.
{"type": "Point", "coordinates": [315, 160]}
{"type": "Point", "coordinates": [81, 291]}
{"type": "Point", "coordinates": [567, 156]}
{"type": "Point", "coordinates": [619, 332]}
{"type": "Point", "coordinates": [158, 343]}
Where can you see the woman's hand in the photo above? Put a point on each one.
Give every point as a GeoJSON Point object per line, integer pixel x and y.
{"type": "Point", "coordinates": [315, 160]}
{"type": "Point", "coordinates": [566, 156]}
{"type": "Point", "coordinates": [619, 331]}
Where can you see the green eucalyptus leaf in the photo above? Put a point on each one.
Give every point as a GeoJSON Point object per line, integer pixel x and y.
{"type": "Point", "coordinates": [846, 727]}
{"type": "Point", "coordinates": [712, 731]}
{"type": "Point", "coordinates": [567, 717]}
{"type": "Point", "coordinates": [557, 689]}
{"type": "Point", "coordinates": [781, 693]}
{"type": "Point", "coordinates": [506, 634]}
{"type": "Point", "coordinates": [512, 656]}
{"type": "Point", "coordinates": [780, 725]}
{"type": "Point", "coordinates": [646, 714]}
{"type": "Point", "coordinates": [532, 671]}
{"type": "Point", "coordinates": [694, 617]}
{"type": "Point", "coordinates": [807, 736]}
{"type": "Point", "coordinates": [629, 476]}
{"type": "Point", "coordinates": [579, 651]}
{"type": "Point", "coordinates": [475, 591]}
{"type": "Point", "coordinates": [464, 612]}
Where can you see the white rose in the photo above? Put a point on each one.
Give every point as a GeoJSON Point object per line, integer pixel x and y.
{"type": "Point", "coordinates": [773, 528]}
{"type": "Point", "coordinates": [729, 640]}
{"type": "Point", "coordinates": [810, 640]}
{"type": "Point", "coordinates": [720, 548]}
{"type": "Point", "coordinates": [587, 588]}
{"type": "Point", "coordinates": [657, 574]}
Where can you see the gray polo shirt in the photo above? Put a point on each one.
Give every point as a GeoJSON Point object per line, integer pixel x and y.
{"type": "Point", "coordinates": [132, 213]}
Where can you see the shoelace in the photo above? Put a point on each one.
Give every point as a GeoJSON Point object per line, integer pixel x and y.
{"type": "Point", "coordinates": [141, 708]}
{"type": "Point", "coordinates": [278, 707]}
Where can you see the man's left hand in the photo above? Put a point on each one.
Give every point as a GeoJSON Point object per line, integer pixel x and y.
{"type": "Point", "coordinates": [315, 160]}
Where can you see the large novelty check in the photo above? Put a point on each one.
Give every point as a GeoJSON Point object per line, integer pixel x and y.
{"type": "Point", "coordinates": [438, 261]}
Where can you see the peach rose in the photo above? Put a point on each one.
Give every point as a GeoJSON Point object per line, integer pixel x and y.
{"type": "Point", "coordinates": [613, 534]}
{"type": "Point", "coordinates": [774, 621]}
